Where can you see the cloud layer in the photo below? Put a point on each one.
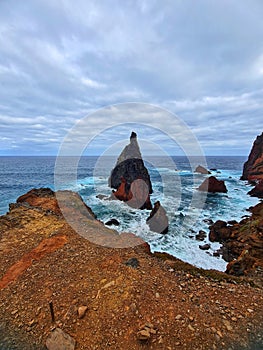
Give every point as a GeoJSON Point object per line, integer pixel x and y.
{"type": "Point", "coordinates": [62, 60]}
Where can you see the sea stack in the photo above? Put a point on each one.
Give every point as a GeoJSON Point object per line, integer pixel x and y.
{"type": "Point", "coordinates": [213, 185]}
{"type": "Point", "coordinates": [253, 167]}
{"type": "Point", "coordinates": [130, 177]}
{"type": "Point", "coordinates": [158, 220]}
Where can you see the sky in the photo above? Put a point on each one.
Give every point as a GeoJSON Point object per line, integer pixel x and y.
{"type": "Point", "coordinates": [64, 63]}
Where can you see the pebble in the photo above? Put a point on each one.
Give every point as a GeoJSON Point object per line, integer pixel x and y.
{"type": "Point", "coordinates": [143, 335]}
{"type": "Point", "coordinates": [178, 317]}
{"type": "Point", "coordinates": [191, 328]}
{"type": "Point", "coordinates": [82, 311]}
{"type": "Point", "coordinates": [227, 325]}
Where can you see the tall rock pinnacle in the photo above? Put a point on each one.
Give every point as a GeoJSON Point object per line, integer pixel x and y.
{"type": "Point", "coordinates": [131, 178]}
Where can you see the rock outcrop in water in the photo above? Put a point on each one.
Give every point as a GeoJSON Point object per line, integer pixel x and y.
{"type": "Point", "coordinates": [158, 220]}
{"type": "Point", "coordinates": [212, 185]}
{"type": "Point", "coordinates": [253, 167]}
{"type": "Point", "coordinates": [257, 191]}
{"type": "Point", "coordinates": [130, 177]}
{"type": "Point", "coordinates": [202, 170]}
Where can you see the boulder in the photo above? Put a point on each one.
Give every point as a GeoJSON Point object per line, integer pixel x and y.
{"type": "Point", "coordinates": [112, 222]}
{"type": "Point", "coordinates": [219, 231]}
{"type": "Point", "coordinates": [158, 220]}
{"type": "Point", "coordinates": [257, 191]}
{"type": "Point", "coordinates": [201, 170]}
{"type": "Point", "coordinates": [130, 177]}
{"type": "Point", "coordinates": [253, 167]}
{"type": "Point", "coordinates": [212, 185]}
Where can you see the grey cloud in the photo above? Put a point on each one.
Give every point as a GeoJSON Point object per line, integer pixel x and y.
{"type": "Point", "coordinates": [63, 60]}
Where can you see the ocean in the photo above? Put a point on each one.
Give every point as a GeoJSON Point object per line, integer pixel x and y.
{"type": "Point", "coordinates": [173, 185]}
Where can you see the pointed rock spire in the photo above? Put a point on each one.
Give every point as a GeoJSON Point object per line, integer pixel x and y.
{"type": "Point", "coordinates": [130, 177]}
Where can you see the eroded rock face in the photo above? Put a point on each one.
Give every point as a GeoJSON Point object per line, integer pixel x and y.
{"type": "Point", "coordinates": [158, 220]}
{"type": "Point", "coordinates": [130, 177]}
{"type": "Point", "coordinates": [212, 185]}
{"type": "Point", "coordinates": [253, 167]}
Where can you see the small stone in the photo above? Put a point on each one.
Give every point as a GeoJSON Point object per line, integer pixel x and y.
{"type": "Point", "coordinates": [220, 334]}
{"type": "Point", "coordinates": [191, 328]}
{"type": "Point", "coordinates": [31, 323]}
{"type": "Point", "coordinates": [133, 307]}
{"type": "Point", "coordinates": [191, 318]}
{"type": "Point", "coordinates": [227, 325]}
{"type": "Point", "coordinates": [143, 335]}
{"type": "Point", "coordinates": [157, 295]}
{"type": "Point", "coordinates": [205, 246]}
{"type": "Point", "coordinates": [132, 262]}
{"type": "Point", "coordinates": [14, 312]}
{"type": "Point", "coordinates": [250, 310]}
{"type": "Point", "coordinates": [178, 317]}
{"type": "Point", "coordinates": [82, 311]}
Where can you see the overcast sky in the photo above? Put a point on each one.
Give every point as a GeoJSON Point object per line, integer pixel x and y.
{"type": "Point", "coordinates": [62, 60]}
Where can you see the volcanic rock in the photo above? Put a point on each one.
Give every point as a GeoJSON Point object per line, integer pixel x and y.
{"type": "Point", "coordinates": [242, 243]}
{"type": "Point", "coordinates": [112, 222]}
{"type": "Point", "coordinates": [51, 202]}
{"type": "Point", "coordinates": [212, 185]}
{"type": "Point", "coordinates": [219, 231]}
{"type": "Point", "coordinates": [200, 169]}
{"type": "Point", "coordinates": [130, 177]}
{"type": "Point", "coordinates": [257, 191]}
{"type": "Point", "coordinates": [253, 167]}
{"type": "Point", "coordinates": [158, 220]}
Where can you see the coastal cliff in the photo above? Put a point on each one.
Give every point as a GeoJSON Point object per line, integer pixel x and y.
{"type": "Point", "coordinates": [103, 297]}
{"type": "Point", "coordinates": [253, 167]}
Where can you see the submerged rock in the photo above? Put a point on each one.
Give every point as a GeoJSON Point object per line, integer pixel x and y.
{"type": "Point", "coordinates": [212, 185]}
{"type": "Point", "coordinates": [253, 167]}
{"type": "Point", "coordinates": [158, 220]}
{"type": "Point", "coordinates": [130, 177]}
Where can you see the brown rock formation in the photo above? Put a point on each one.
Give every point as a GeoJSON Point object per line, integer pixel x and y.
{"type": "Point", "coordinates": [158, 220]}
{"type": "Point", "coordinates": [202, 170]}
{"type": "Point", "coordinates": [211, 184]}
{"type": "Point", "coordinates": [242, 243]}
{"type": "Point", "coordinates": [131, 178]}
{"type": "Point", "coordinates": [257, 191]}
{"type": "Point", "coordinates": [46, 199]}
{"type": "Point", "coordinates": [253, 167]}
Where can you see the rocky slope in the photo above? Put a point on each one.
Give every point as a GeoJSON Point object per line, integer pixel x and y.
{"type": "Point", "coordinates": [253, 168]}
{"type": "Point", "coordinates": [242, 244]}
{"type": "Point", "coordinates": [112, 298]}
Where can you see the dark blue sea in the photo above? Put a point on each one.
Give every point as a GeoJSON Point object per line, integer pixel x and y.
{"type": "Point", "coordinates": [173, 183]}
